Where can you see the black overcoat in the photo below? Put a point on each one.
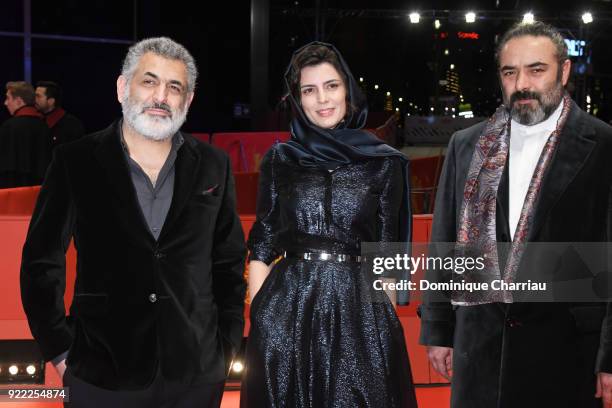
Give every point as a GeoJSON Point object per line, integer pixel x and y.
{"type": "Point", "coordinates": [24, 151]}
{"type": "Point", "coordinates": [67, 129]}
{"type": "Point", "coordinates": [531, 354]}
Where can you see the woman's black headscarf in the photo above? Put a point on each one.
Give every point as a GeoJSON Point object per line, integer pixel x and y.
{"type": "Point", "coordinates": [312, 146]}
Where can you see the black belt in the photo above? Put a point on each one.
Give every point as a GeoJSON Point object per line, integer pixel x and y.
{"type": "Point", "coordinates": [323, 256]}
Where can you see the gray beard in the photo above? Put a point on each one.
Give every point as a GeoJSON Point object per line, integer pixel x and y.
{"type": "Point", "coordinates": [152, 128]}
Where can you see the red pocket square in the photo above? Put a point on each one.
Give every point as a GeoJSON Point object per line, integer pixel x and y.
{"type": "Point", "coordinates": [210, 190]}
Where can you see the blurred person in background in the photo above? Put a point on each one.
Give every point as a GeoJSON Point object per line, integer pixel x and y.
{"type": "Point", "coordinates": [24, 139]}
{"type": "Point", "coordinates": [64, 126]}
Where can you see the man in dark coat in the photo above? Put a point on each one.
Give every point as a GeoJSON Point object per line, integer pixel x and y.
{"type": "Point", "coordinates": [24, 139]}
{"type": "Point", "coordinates": [64, 126]}
{"type": "Point", "coordinates": [538, 171]}
{"type": "Point", "coordinates": [159, 293]}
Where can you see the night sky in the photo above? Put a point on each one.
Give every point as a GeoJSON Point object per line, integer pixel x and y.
{"type": "Point", "coordinates": [386, 50]}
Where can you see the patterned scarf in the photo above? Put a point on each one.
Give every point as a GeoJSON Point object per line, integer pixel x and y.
{"type": "Point", "coordinates": [477, 227]}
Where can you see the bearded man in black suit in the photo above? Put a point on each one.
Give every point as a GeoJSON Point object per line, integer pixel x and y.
{"type": "Point", "coordinates": [159, 292]}
{"type": "Point", "coordinates": [538, 171]}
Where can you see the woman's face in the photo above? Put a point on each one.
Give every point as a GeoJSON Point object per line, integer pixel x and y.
{"type": "Point", "coordinates": [322, 95]}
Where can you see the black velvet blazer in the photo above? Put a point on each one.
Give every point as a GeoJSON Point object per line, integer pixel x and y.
{"type": "Point", "coordinates": [139, 304]}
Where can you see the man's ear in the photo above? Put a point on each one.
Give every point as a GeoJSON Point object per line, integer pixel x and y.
{"type": "Point", "coordinates": [51, 101]}
{"type": "Point", "coordinates": [121, 87]}
{"type": "Point", "coordinates": [189, 100]}
{"type": "Point", "coordinates": [566, 68]}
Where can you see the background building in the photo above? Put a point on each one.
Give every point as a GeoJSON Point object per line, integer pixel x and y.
{"type": "Point", "coordinates": [242, 59]}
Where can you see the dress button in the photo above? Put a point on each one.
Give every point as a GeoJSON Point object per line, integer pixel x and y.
{"type": "Point", "coordinates": [152, 298]}
{"type": "Point", "coordinates": [159, 255]}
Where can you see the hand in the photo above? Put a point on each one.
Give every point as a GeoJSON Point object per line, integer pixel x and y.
{"type": "Point", "coordinates": [61, 368]}
{"type": "Point", "coordinates": [604, 389]}
{"type": "Point", "coordinates": [257, 272]}
{"type": "Point", "coordinates": [441, 359]}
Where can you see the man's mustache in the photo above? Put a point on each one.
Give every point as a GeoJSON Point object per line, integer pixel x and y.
{"type": "Point", "coordinates": [162, 106]}
{"type": "Point", "coordinates": [520, 95]}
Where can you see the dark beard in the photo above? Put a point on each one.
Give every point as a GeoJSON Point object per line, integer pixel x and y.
{"type": "Point", "coordinates": [546, 104]}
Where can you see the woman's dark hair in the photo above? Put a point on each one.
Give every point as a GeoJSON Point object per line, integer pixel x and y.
{"type": "Point", "coordinates": [311, 55]}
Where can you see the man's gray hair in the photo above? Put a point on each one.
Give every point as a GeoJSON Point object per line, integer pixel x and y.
{"type": "Point", "coordinates": [164, 47]}
{"type": "Point", "coordinates": [535, 29]}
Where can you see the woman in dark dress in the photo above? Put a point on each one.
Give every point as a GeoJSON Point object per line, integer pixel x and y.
{"type": "Point", "coordinates": [320, 336]}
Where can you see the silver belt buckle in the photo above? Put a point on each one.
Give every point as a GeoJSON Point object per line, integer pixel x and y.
{"type": "Point", "coordinates": [326, 256]}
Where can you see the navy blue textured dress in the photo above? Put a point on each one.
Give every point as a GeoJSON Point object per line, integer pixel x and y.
{"type": "Point", "coordinates": [318, 337]}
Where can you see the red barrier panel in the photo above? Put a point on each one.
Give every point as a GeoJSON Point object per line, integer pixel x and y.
{"type": "Point", "coordinates": [13, 322]}
{"type": "Point", "coordinates": [18, 201]}
{"type": "Point", "coordinates": [424, 176]}
{"type": "Point", "coordinates": [204, 137]}
{"type": "Point", "coordinates": [246, 192]}
{"type": "Point", "coordinates": [14, 230]}
{"type": "Point", "coordinates": [421, 369]}
{"type": "Point", "coordinates": [247, 222]}
{"type": "Point", "coordinates": [246, 149]}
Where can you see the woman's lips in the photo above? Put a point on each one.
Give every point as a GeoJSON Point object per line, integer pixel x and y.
{"type": "Point", "coordinates": [326, 112]}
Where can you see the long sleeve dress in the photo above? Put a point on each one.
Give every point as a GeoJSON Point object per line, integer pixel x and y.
{"type": "Point", "coordinates": [320, 336]}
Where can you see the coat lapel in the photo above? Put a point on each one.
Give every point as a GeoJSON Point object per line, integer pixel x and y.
{"type": "Point", "coordinates": [573, 150]}
{"type": "Point", "coordinates": [187, 168]}
{"type": "Point", "coordinates": [502, 225]}
{"type": "Point", "coordinates": [111, 157]}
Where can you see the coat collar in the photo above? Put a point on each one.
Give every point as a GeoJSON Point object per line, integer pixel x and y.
{"type": "Point", "coordinates": [573, 150]}
{"type": "Point", "coordinates": [111, 157]}
{"type": "Point", "coordinates": [28, 110]}
{"type": "Point", "coordinates": [54, 116]}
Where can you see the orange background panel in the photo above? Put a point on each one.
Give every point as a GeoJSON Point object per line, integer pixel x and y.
{"type": "Point", "coordinates": [246, 191]}
{"type": "Point", "coordinates": [14, 229]}
{"type": "Point", "coordinates": [18, 201]}
{"type": "Point", "coordinates": [204, 137]}
{"type": "Point", "coordinates": [247, 222]}
{"type": "Point", "coordinates": [424, 176]}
